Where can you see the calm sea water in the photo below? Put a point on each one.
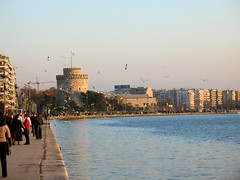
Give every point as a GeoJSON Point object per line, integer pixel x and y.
{"type": "Point", "coordinates": [170, 147]}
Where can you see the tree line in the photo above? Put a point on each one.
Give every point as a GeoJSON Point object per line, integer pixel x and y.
{"type": "Point", "coordinates": [94, 103]}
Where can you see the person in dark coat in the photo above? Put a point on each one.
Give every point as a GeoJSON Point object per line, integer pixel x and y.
{"type": "Point", "coordinates": [18, 129]}
{"type": "Point", "coordinates": [9, 122]}
{"type": "Point", "coordinates": [38, 128]}
{"type": "Point", "coordinates": [4, 134]}
{"type": "Point", "coordinates": [34, 123]}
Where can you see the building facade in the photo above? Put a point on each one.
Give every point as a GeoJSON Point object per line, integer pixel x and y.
{"type": "Point", "coordinates": [185, 97]}
{"type": "Point", "coordinates": [228, 95]}
{"type": "Point", "coordinates": [213, 98]}
{"type": "Point", "coordinates": [141, 101]}
{"type": "Point", "coordinates": [237, 96]}
{"type": "Point", "coordinates": [70, 85]}
{"type": "Point", "coordinates": [202, 100]}
{"type": "Point", "coordinates": [8, 87]}
{"type": "Point", "coordinates": [141, 97]}
{"type": "Point", "coordinates": [164, 96]}
{"type": "Point", "coordinates": [126, 89]}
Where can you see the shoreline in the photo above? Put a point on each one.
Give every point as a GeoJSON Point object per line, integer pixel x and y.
{"type": "Point", "coordinates": [131, 115]}
{"type": "Point", "coordinates": [52, 165]}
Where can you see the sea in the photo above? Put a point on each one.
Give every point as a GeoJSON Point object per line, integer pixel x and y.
{"type": "Point", "coordinates": [155, 147]}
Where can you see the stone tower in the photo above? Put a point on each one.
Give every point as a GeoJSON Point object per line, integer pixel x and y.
{"type": "Point", "coordinates": [71, 84]}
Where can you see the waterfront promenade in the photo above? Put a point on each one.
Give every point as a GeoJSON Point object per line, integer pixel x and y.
{"type": "Point", "coordinates": [41, 159]}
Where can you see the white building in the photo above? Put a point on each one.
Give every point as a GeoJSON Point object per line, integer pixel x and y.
{"type": "Point", "coordinates": [70, 85]}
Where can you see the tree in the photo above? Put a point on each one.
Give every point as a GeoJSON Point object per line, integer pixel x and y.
{"type": "Point", "coordinates": [93, 101]}
{"type": "Point", "coordinates": [46, 98]}
{"type": "Point", "coordinates": [230, 105]}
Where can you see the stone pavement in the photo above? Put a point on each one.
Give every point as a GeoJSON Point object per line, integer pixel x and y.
{"type": "Point", "coordinates": [41, 160]}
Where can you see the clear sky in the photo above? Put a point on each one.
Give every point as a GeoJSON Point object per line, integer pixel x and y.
{"type": "Point", "coordinates": [166, 43]}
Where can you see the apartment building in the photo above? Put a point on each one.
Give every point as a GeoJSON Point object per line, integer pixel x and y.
{"type": "Point", "coordinates": [228, 95]}
{"type": "Point", "coordinates": [163, 96]}
{"type": "Point", "coordinates": [176, 97]}
{"type": "Point", "coordinates": [213, 98]}
{"type": "Point", "coordinates": [8, 87]}
{"type": "Point", "coordinates": [199, 99]}
{"type": "Point", "coordinates": [185, 97]}
{"type": "Point", "coordinates": [237, 96]}
{"type": "Point", "coordinates": [219, 98]}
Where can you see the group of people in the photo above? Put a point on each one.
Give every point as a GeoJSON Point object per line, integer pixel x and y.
{"type": "Point", "coordinates": [12, 129]}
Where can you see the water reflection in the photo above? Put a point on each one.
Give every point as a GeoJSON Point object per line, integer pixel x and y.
{"type": "Point", "coordinates": [151, 148]}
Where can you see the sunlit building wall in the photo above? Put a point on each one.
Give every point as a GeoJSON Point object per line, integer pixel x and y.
{"type": "Point", "coordinates": [186, 97]}
{"type": "Point", "coordinates": [141, 101]}
{"type": "Point", "coordinates": [8, 96]}
{"type": "Point", "coordinates": [70, 85]}
{"type": "Point", "coordinates": [219, 98]}
{"type": "Point", "coordinates": [213, 98]}
{"type": "Point", "coordinates": [237, 96]}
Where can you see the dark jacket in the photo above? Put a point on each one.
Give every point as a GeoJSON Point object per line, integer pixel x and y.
{"type": "Point", "coordinates": [40, 120]}
{"type": "Point", "coordinates": [34, 120]}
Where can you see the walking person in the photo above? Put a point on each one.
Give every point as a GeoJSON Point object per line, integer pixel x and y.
{"type": "Point", "coordinates": [38, 128]}
{"type": "Point", "coordinates": [4, 134]}
{"type": "Point", "coordinates": [9, 122]}
{"type": "Point", "coordinates": [27, 124]}
{"type": "Point", "coordinates": [18, 129]}
{"type": "Point", "coordinates": [34, 123]}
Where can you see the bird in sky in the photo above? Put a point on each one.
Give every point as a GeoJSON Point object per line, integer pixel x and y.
{"type": "Point", "coordinates": [166, 77]}
{"type": "Point", "coordinates": [144, 80]}
{"type": "Point", "coordinates": [126, 66]}
{"type": "Point", "coordinates": [204, 80]}
{"type": "Point", "coordinates": [45, 70]}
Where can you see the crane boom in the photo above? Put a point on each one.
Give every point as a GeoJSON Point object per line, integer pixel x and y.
{"type": "Point", "coordinates": [43, 82]}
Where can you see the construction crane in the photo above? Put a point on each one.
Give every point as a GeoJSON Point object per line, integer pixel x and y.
{"type": "Point", "coordinates": [38, 83]}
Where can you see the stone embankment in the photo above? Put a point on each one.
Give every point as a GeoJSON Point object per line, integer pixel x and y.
{"type": "Point", "coordinates": [132, 115]}
{"type": "Point", "coordinates": [42, 159]}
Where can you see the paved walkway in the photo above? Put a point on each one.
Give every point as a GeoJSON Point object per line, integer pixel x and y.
{"type": "Point", "coordinates": [41, 159]}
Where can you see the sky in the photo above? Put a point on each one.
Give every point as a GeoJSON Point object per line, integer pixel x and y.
{"type": "Point", "coordinates": [165, 44]}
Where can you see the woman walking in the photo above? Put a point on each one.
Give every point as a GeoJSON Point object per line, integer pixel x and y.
{"type": "Point", "coordinates": [17, 129]}
{"type": "Point", "coordinates": [4, 132]}
{"type": "Point", "coordinates": [27, 124]}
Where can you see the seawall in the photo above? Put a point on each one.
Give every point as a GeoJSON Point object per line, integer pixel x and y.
{"type": "Point", "coordinates": [52, 165]}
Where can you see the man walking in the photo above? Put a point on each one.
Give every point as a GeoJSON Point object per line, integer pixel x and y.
{"type": "Point", "coordinates": [38, 128]}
